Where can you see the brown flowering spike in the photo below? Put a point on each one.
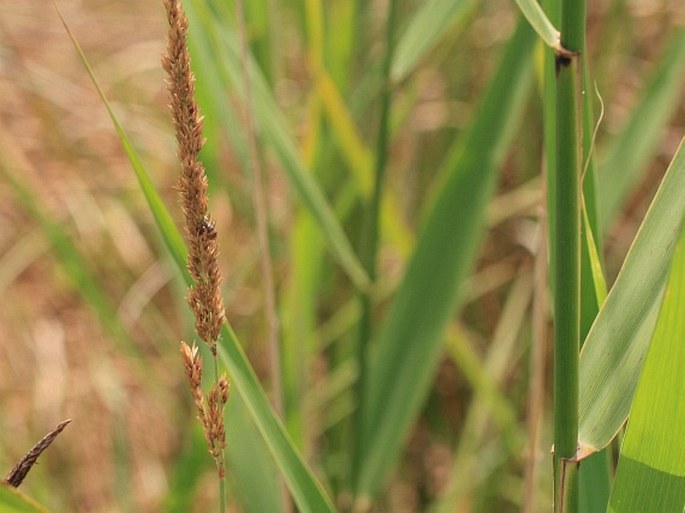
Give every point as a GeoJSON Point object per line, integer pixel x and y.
{"type": "Point", "coordinates": [204, 297]}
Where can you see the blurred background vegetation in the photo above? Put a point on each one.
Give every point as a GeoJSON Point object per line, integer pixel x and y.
{"type": "Point", "coordinates": [93, 309]}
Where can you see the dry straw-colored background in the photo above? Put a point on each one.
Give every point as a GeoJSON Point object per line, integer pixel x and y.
{"type": "Point", "coordinates": [55, 359]}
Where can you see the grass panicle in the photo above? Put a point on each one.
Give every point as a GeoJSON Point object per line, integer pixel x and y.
{"type": "Point", "coordinates": [204, 296]}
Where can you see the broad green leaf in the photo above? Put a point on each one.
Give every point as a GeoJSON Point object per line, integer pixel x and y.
{"type": "Point", "coordinates": [410, 341]}
{"type": "Point", "coordinates": [305, 488]}
{"type": "Point", "coordinates": [426, 28]}
{"type": "Point", "coordinates": [638, 141]}
{"type": "Point", "coordinates": [651, 470]}
{"type": "Point", "coordinates": [615, 348]}
{"type": "Point", "coordinates": [14, 501]}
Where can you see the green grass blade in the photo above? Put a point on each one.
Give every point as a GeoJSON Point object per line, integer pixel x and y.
{"type": "Point", "coordinates": [14, 501]}
{"type": "Point", "coordinates": [250, 463]}
{"type": "Point", "coordinates": [273, 129]}
{"type": "Point", "coordinates": [616, 345]}
{"type": "Point", "coordinates": [298, 306]}
{"type": "Point", "coordinates": [539, 21]}
{"type": "Point", "coordinates": [172, 237]}
{"type": "Point", "coordinates": [307, 492]}
{"type": "Point", "coordinates": [428, 25]}
{"type": "Point", "coordinates": [186, 471]}
{"type": "Point", "coordinates": [600, 286]}
{"type": "Point", "coordinates": [411, 339]}
{"type": "Point", "coordinates": [651, 470]}
{"type": "Point", "coordinates": [355, 152]}
{"type": "Point", "coordinates": [631, 149]}
{"type": "Point", "coordinates": [340, 42]}
{"type": "Point", "coordinates": [595, 482]}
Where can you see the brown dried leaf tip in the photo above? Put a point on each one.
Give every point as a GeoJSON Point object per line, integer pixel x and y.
{"type": "Point", "coordinates": [210, 412]}
{"type": "Point", "coordinates": [204, 297]}
{"type": "Point", "coordinates": [21, 469]}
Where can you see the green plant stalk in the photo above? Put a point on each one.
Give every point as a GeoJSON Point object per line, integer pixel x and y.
{"type": "Point", "coordinates": [567, 268]}
{"type": "Point", "coordinates": [567, 255]}
{"type": "Point", "coordinates": [370, 234]}
{"type": "Point", "coordinates": [567, 273]}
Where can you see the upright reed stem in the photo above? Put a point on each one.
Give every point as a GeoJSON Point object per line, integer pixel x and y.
{"type": "Point", "coordinates": [567, 254]}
